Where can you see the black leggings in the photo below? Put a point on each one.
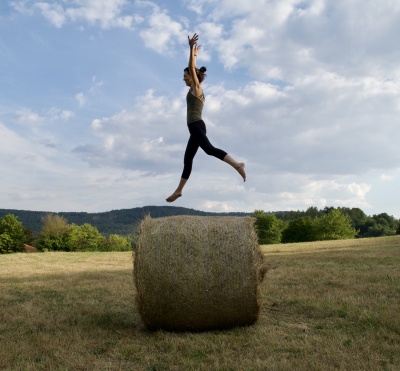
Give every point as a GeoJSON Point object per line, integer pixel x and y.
{"type": "Point", "coordinates": [198, 138]}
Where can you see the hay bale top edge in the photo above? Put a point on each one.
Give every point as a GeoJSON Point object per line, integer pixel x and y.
{"type": "Point", "coordinates": [200, 217]}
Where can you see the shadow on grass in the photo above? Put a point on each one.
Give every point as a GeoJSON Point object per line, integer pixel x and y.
{"type": "Point", "coordinates": [84, 299]}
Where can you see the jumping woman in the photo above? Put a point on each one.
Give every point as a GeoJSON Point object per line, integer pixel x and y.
{"type": "Point", "coordinates": [193, 77]}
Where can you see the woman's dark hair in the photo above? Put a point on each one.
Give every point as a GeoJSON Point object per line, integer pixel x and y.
{"type": "Point", "coordinates": [201, 73]}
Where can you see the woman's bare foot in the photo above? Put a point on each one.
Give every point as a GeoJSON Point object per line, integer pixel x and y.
{"type": "Point", "coordinates": [241, 171]}
{"type": "Point", "coordinates": [174, 196]}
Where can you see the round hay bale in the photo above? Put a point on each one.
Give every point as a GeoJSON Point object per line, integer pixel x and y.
{"type": "Point", "coordinates": [197, 273]}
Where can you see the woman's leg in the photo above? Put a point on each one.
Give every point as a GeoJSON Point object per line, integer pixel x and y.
{"type": "Point", "coordinates": [191, 150]}
{"type": "Point", "coordinates": [198, 131]}
{"type": "Point", "coordinates": [198, 138]}
{"type": "Point", "coordinates": [178, 192]}
{"type": "Point", "coordinates": [239, 166]}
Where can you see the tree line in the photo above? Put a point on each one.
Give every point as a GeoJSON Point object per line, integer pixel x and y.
{"type": "Point", "coordinates": [122, 222]}
{"type": "Point", "coordinates": [326, 224]}
{"type": "Point", "coordinates": [57, 234]}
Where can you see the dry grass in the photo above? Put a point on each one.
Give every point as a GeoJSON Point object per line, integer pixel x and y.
{"type": "Point", "coordinates": [327, 306]}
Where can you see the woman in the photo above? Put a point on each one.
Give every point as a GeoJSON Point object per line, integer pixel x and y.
{"type": "Point", "coordinates": [193, 77]}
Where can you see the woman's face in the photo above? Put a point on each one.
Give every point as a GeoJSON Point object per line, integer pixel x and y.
{"type": "Point", "coordinates": [187, 78]}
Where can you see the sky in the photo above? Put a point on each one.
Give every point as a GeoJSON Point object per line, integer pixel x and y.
{"type": "Point", "coordinates": [305, 92]}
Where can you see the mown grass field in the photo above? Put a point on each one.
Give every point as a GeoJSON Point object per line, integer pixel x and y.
{"type": "Point", "coordinates": [327, 306]}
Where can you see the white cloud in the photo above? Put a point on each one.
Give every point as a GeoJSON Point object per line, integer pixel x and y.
{"type": "Point", "coordinates": [162, 33]}
{"type": "Point", "coordinates": [286, 39]}
{"type": "Point", "coordinates": [96, 85]}
{"type": "Point", "coordinates": [10, 142]}
{"type": "Point", "coordinates": [143, 138]}
{"type": "Point", "coordinates": [25, 154]}
{"type": "Point", "coordinates": [28, 117]}
{"type": "Point", "coordinates": [292, 162]}
{"type": "Point", "coordinates": [50, 179]}
{"type": "Point", "coordinates": [105, 13]}
{"type": "Point", "coordinates": [323, 125]}
{"type": "Point", "coordinates": [56, 114]}
{"type": "Point", "coordinates": [54, 13]}
{"type": "Point", "coordinates": [386, 178]}
{"type": "Point", "coordinates": [80, 97]}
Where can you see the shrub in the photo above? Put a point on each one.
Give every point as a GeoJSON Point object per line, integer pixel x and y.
{"type": "Point", "coordinates": [334, 226]}
{"type": "Point", "coordinates": [54, 233]}
{"type": "Point", "coordinates": [299, 230]}
{"type": "Point", "coordinates": [85, 238]}
{"type": "Point", "coordinates": [269, 228]}
{"type": "Point", "coordinates": [118, 243]}
{"type": "Point", "coordinates": [12, 235]}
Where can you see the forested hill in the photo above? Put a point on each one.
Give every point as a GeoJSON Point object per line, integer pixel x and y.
{"type": "Point", "coordinates": [120, 222]}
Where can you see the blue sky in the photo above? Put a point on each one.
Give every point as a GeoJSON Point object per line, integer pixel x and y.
{"type": "Point", "coordinates": [306, 93]}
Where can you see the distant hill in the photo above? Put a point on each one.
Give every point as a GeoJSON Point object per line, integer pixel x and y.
{"type": "Point", "coordinates": [122, 222]}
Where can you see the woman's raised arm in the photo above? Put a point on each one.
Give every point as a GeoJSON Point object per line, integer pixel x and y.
{"type": "Point", "coordinates": [194, 49]}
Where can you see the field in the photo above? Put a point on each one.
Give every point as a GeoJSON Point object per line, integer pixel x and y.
{"type": "Point", "coordinates": [326, 306]}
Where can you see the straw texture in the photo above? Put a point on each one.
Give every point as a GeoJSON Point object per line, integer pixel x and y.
{"type": "Point", "coordinates": [197, 273]}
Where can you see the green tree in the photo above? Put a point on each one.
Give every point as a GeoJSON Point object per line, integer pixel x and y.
{"type": "Point", "coordinates": [377, 230]}
{"type": "Point", "coordinates": [288, 216]}
{"type": "Point", "coordinates": [386, 223]}
{"type": "Point", "coordinates": [29, 237]}
{"type": "Point", "coordinates": [269, 228]}
{"type": "Point", "coordinates": [54, 233]}
{"type": "Point", "coordinates": [12, 235]}
{"type": "Point", "coordinates": [312, 212]}
{"type": "Point", "coordinates": [358, 218]}
{"type": "Point", "coordinates": [379, 225]}
{"type": "Point", "coordinates": [299, 230]}
{"type": "Point", "coordinates": [386, 219]}
{"type": "Point", "coordinates": [334, 226]}
{"type": "Point", "coordinates": [85, 238]}
{"type": "Point", "coordinates": [118, 243]}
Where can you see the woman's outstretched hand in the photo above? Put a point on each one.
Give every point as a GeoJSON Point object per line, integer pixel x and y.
{"type": "Point", "coordinates": [193, 44]}
{"type": "Point", "coordinates": [196, 49]}
{"type": "Point", "coordinates": [193, 40]}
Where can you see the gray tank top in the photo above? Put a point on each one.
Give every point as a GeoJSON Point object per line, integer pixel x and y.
{"type": "Point", "coordinates": [194, 107]}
